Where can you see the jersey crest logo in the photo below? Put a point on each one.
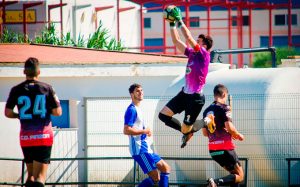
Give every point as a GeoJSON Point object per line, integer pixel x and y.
{"type": "Point", "coordinates": [188, 70]}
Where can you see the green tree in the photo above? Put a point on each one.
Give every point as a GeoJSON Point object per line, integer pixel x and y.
{"type": "Point", "coordinates": [264, 59]}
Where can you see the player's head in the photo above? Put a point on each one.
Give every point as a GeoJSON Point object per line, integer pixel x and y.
{"type": "Point", "coordinates": [206, 41]}
{"type": "Point", "coordinates": [32, 67]}
{"type": "Point", "coordinates": [136, 92]}
{"type": "Point", "coordinates": [200, 38]}
{"type": "Point", "coordinates": [220, 92]}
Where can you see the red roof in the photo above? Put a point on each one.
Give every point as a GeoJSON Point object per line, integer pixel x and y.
{"type": "Point", "coordinates": [18, 53]}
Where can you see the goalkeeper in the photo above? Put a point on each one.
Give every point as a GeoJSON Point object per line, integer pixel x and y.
{"type": "Point", "coordinates": [190, 99]}
{"type": "Point", "coordinates": [220, 145]}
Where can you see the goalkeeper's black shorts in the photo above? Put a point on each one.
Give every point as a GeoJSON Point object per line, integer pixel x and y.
{"type": "Point", "coordinates": [190, 103]}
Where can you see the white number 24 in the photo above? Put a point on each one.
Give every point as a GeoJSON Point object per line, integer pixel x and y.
{"type": "Point", "coordinates": [39, 107]}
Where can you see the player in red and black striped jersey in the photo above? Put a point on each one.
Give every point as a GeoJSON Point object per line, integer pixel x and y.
{"type": "Point", "coordinates": [35, 101]}
{"type": "Point", "coordinates": [220, 132]}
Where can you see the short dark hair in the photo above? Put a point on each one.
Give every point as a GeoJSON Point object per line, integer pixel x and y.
{"type": "Point", "coordinates": [133, 86]}
{"type": "Point", "coordinates": [202, 36]}
{"type": "Point", "coordinates": [219, 90]}
{"type": "Point", "coordinates": [31, 67]}
{"type": "Point", "coordinates": [208, 41]}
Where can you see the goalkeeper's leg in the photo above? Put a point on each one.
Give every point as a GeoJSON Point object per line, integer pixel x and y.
{"type": "Point", "coordinates": [195, 128]}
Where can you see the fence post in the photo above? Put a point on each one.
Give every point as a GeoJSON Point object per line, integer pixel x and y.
{"type": "Point", "coordinates": [23, 173]}
{"type": "Point", "coordinates": [134, 172]}
{"type": "Point", "coordinates": [273, 54]}
{"type": "Point", "coordinates": [246, 171]}
{"type": "Point", "coordinates": [289, 172]}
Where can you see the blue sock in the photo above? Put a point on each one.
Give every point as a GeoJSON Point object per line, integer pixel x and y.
{"type": "Point", "coordinates": [148, 182]}
{"type": "Point", "coordinates": [164, 180]}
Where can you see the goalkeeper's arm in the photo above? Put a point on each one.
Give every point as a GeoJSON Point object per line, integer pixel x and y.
{"type": "Point", "coordinates": [176, 13]}
{"type": "Point", "coordinates": [187, 35]}
{"type": "Point", "coordinates": [176, 40]}
{"type": "Point", "coordinates": [185, 31]}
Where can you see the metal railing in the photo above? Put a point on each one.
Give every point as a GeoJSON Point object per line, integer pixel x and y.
{"type": "Point", "coordinates": [289, 160]}
{"type": "Point", "coordinates": [133, 182]}
{"type": "Point", "coordinates": [216, 58]}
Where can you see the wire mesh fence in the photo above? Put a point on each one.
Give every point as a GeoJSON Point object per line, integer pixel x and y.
{"type": "Point", "coordinates": [270, 124]}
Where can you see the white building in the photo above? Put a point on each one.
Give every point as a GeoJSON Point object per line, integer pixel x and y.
{"type": "Point", "coordinates": [265, 109]}
{"type": "Point", "coordinates": [219, 24]}
{"type": "Point", "coordinates": [79, 18]}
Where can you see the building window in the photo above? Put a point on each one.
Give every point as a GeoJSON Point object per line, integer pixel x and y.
{"type": "Point", "coordinates": [279, 41]}
{"type": "Point", "coordinates": [283, 19]}
{"type": "Point", "coordinates": [155, 45]}
{"type": "Point", "coordinates": [62, 121]}
{"type": "Point", "coordinates": [294, 19]}
{"type": "Point", "coordinates": [194, 21]}
{"type": "Point", "coordinates": [147, 23]}
{"type": "Point", "coordinates": [280, 19]}
{"type": "Point", "coordinates": [245, 20]}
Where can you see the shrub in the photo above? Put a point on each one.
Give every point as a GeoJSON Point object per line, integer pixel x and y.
{"type": "Point", "coordinates": [264, 59]}
{"type": "Point", "coordinates": [49, 36]}
{"type": "Point", "coordinates": [9, 36]}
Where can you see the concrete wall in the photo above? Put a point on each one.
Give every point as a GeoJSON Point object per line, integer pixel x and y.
{"type": "Point", "coordinates": [265, 105]}
{"type": "Point", "coordinates": [75, 83]}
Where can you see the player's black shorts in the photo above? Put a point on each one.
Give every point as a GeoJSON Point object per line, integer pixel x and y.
{"type": "Point", "coordinates": [225, 158]}
{"type": "Point", "coordinates": [37, 153]}
{"type": "Point", "coordinates": [190, 103]}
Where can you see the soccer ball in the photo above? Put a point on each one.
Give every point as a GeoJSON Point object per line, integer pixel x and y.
{"type": "Point", "coordinates": [168, 13]}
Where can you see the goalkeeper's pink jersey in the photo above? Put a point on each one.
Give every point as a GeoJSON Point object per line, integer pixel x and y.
{"type": "Point", "coordinates": [196, 70]}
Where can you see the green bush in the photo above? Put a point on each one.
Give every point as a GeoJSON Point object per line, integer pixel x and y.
{"type": "Point", "coordinates": [102, 40]}
{"type": "Point", "coordinates": [49, 36]}
{"type": "Point", "coordinates": [98, 40]}
{"type": "Point", "coordinates": [264, 59]}
{"type": "Point", "coordinates": [9, 36]}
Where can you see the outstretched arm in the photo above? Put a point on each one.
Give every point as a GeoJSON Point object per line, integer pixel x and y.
{"type": "Point", "coordinates": [187, 35]}
{"type": "Point", "coordinates": [176, 40]}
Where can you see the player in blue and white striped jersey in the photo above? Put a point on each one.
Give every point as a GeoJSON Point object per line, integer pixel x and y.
{"type": "Point", "coordinates": [140, 143]}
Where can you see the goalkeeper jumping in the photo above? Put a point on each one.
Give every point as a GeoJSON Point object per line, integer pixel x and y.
{"type": "Point", "coordinates": [190, 99]}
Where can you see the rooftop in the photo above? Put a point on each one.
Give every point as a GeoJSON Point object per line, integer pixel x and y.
{"type": "Point", "coordinates": [14, 54]}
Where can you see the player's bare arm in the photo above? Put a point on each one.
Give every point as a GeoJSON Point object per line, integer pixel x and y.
{"type": "Point", "coordinates": [176, 40]}
{"type": "Point", "coordinates": [127, 130]}
{"type": "Point", "coordinates": [188, 36]}
{"type": "Point", "coordinates": [232, 130]}
{"type": "Point", "coordinates": [204, 132]}
{"type": "Point", "coordinates": [10, 113]}
{"type": "Point", "coordinates": [57, 111]}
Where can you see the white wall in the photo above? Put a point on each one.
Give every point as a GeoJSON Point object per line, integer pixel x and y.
{"type": "Point", "coordinates": [74, 83]}
{"type": "Point", "coordinates": [79, 18]}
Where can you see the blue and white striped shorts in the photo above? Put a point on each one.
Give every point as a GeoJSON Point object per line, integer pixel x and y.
{"type": "Point", "coordinates": [147, 161]}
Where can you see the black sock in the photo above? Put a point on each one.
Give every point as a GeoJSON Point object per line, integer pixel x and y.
{"type": "Point", "coordinates": [235, 185]}
{"type": "Point", "coordinates": [228, 180]}
{"type": "Point", "coordinates": [38, 184]}
{"type": "Point", "coordinates": [170, 121]}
